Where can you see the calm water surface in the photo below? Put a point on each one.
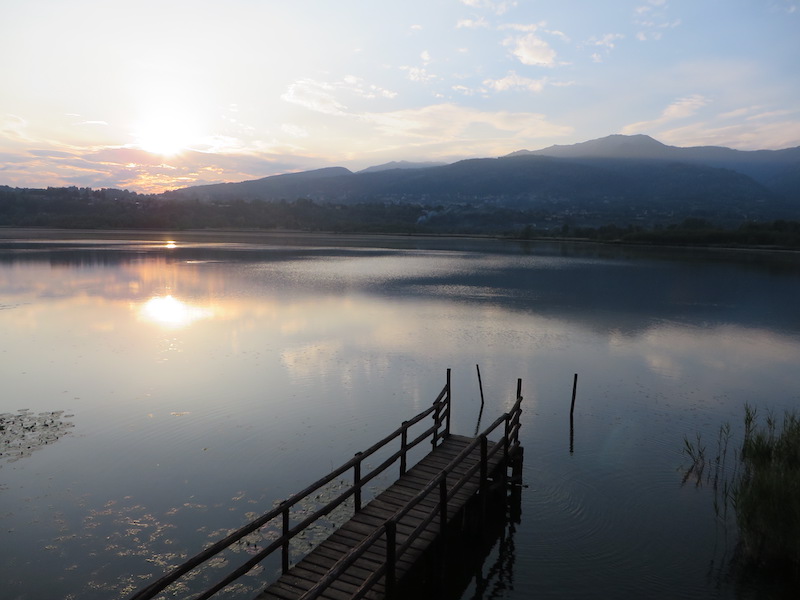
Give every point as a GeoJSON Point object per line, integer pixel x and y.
{"type": "Point", "coordinates": [158, 391]}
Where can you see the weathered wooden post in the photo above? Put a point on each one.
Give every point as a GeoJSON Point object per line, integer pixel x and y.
{"type": "Point", "coordinates": [571, 418]}
{"type": "Point", "coordinates": [449, 405]}
{"type": "Point", "coordinates": [285, 547]}
{"type": "Point", "coordinates": [403, 449]}
{"type": "Point", "coordinates": [484, 475]}
{"type": "Point", "coordinates": [574, 390]}
{"type": "Point", "coordinates": [443, 513]}
{"type": "Point", "coordinates": [357, 482]}
{"type": "Point", "coordinates": [391, 555]}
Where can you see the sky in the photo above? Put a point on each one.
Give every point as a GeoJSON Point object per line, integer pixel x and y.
{"type": "Point", "coordinates": [156, 95]}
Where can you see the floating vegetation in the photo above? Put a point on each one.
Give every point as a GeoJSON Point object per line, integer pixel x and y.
{"type": "Point", "coordinates": [762, 486]}
{"type": "Point", "coordinates": [24, 432]}
{"type": "Point", "coordinates": [138, 543]}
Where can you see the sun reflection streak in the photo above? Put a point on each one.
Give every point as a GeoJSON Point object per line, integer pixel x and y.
{"type": "Point", "coordinates": [170, 312]}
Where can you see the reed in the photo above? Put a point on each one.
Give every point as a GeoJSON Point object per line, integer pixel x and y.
{"type": "Point", "coordinates": [766, 495]}
{"type": "Point", "coordinates": [762, 486]}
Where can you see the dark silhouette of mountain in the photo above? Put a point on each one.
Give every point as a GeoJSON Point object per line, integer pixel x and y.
{"type": "Point", "coordinates": [401, 164]}
{"type": "Point", "coordinates": [613, 179]}
{"type": "Point", "coordinates": [276, 187]}
{"type": "Point", "coordinates": [777, 169]}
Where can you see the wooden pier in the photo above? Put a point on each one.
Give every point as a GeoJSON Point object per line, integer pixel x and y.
{"type": "Point", "coordinates": [380, 550]}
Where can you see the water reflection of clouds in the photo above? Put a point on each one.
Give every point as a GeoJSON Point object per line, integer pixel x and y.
{"type": "Point", "coordinates": [725, 356]}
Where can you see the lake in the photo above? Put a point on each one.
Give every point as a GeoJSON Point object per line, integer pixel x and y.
{"type": "Point", "coordinates": [159, 390]}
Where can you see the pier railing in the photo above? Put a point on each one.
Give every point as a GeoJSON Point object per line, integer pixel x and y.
{"type": "Point", "coordinates": [436, 432]}
{"type": "Point", "coordinates": [508, 444]}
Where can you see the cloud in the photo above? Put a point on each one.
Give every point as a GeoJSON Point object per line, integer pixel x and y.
{"type": "Point", "coordinates": [320, 96]}
{"type": "Point", "coordinates": [359, 87]}
{"type": "Point", "coordinates": [652, 18]}
{"type": "Point", "coordinates": [679, 109]}
{"type": "Point", "coordinates": [419, 74]}
{"type": "Point", "coordinates": [512, 81]}
{"type": "Point", "coordinates": [608, 40]}
{"type": "Point", "coordinates": [531, 50]}
{"type": "Point", "coordinates": [743, 135]}
{"type": "Point", "coordinates": [685, 107]}
{"type": "Point", "coordinates": [478, 23]}
{"type": "Point", "coordinates": [294, 130]}
{"type": "Point", "coordinates": [14, 127]}
{"type": "Point", "coordinates": [498, 7]}
{"type": "Point", "coordinates": [452, 124]}
{"type": "Point", "coordinates": [314, 95]}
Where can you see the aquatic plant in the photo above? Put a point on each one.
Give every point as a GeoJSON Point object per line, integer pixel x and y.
{"type": "Point", "coordinates": [766, 495]}
{"type": "Point", "coordinates": [762, 486]}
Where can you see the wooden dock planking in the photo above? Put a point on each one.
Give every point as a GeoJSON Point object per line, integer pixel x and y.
{"type": "Point", "coordinates": [357, 560]}
{"type": "Point", "coordinates": [374, 514]}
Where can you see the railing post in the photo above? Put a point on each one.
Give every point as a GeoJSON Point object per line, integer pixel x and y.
{"type": "Point", "coordinates": [391, 555]}
{"type": "Point", "coordinates": [435, 435]}
{"type": "Point", "coordinates": [449, 406]}
{"type": "Point", "coordinates": [357, 483]}
{"type": "Point", "coordinates": [506, 434]}
{"type": "Point", "coordinates": [285, 548]}
{"type": "Point", "coordinates": [484, 464]}
{"type": "Point", "coordinates": [443, 518]}
{"type": "Point", "coordinates": [403, 449]}
{"type": "Point", "coordinates": [443, 503]}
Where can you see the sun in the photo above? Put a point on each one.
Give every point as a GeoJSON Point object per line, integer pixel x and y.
{"type": "Point", "coordinates": [165, 133]}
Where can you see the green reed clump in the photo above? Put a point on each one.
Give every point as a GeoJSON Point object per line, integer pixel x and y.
{"type": "Point", "coordinates": [762, 486]}
{"type": "Point", "coordinates": [766, 494]}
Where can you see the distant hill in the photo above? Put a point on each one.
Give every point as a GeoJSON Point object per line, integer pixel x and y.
{"type": "Point", "coordinates": [401, 164]}
{"type": "Point", "coordinates": [777, 169]}
{"type": "Point", "coordinates": [613, 179]}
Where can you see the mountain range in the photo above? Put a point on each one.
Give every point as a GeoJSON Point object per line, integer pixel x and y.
{"type": "Point", "coordinates": [610, 179]}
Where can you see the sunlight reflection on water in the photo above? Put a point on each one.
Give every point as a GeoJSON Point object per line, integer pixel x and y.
{"type": "Point", "coordinates": [261, 357]}
{"type": "Point", "coordinates": [170, 312]}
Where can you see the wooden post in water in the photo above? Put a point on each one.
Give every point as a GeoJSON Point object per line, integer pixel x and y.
{"type": "Point", "coordinates": [480, 412]}
{"type": "Point", "coordinates": [571, 418]}
{"type": "Point", "coordinates": [574, 390]}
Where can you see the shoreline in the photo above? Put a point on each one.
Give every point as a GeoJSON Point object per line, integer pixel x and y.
{"type": "Point", "coordinates": [286, 235]}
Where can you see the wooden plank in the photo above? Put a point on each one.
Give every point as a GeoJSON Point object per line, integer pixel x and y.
{"type": "Point", "coordinates": [374, 515]}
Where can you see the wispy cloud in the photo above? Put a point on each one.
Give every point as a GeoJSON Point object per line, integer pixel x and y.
{"type": "Point", "coordinates": [440, 122]}
{"type": "Point", "coordinates": [512, 81]}
{"type": "Point", "coordinates": [605, 43]}
{"type": "Point", "coordinates": [14, 127]}
{"type": "Point", "coordinates": [321, 96]}
{"type": "Point", "coordinates": [679, 109]}
{"type": "Point", "coordinates": [742, 135]}
{"type": "Point", "coordinates": [419, 74]}
{"type": "Point", "coordinates": [653, 19]}
{"type": "Point", "coordinates": [479, 23]}
{"type": "Point", "coordinates": [498, 7]}
{"type": "Point", "coordinates": [314, 95]}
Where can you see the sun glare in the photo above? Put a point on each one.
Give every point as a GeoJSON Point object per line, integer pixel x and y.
{"type": "Point", "coordinates": [167, 133]}
{"type": "Point", "coordinates": [170, 312]}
